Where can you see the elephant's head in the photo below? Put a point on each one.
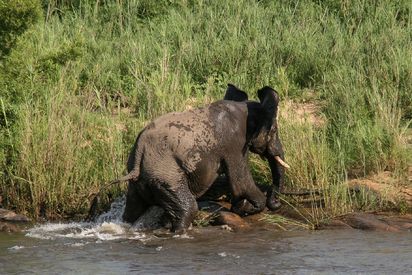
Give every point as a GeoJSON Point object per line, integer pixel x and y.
{"type": "Point", "coordinates": [262, 134]}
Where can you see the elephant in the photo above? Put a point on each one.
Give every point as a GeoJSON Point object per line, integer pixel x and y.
{"type": "Point", "coordinates": [178, 156]}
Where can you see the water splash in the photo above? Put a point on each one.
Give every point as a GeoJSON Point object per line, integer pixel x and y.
{"type": "Point", "coordinates": [16, 247]}
{"type": "Point", "coordinates": [108, 226]}
{"type": "Point", "coordinates": [115, 213]}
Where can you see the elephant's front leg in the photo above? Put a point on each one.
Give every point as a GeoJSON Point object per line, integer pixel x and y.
{"type": "Point", "coordinates": [247, 198]}
{"type": "Point", "coordinates": [272, 198]}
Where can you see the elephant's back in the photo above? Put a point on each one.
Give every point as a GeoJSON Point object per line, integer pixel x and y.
{"type": "Point", "coordinates": [187, 121]}
{"type": "Point", "coordinates": [182, 131]}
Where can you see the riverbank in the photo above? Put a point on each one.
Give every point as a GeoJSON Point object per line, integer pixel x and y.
{"type": "Point", "coordinates": [295, 214]}
{"type": "Point", "coordinates": [292, 219]}
{"type": "Point", "coordinates": [286, 219]}
{"type": "Point", "coordinates": [80, 79]}
{"type": "Point", "coordinates": [12, 222]}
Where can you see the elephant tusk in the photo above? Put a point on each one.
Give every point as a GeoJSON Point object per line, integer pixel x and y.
{"type": "Point", "coordinates": [281, 162]}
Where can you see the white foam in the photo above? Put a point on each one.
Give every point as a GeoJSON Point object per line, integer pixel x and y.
{"type": "Point", "coordinates": [100, 231]}
{"type": "Point", "coordinates": [16, 247]}
{"type": "Point", "coordinates": [108, 226]}
{"type": "Point", "coordinates": [76, 244]}
{"type": "Point", "coordinates": [224, 254]}
{"type": "Point", "coordinates": [182, 236]}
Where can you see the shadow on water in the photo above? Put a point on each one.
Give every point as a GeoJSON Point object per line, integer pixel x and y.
{"type": "Point", "coordinates": [109, 246]}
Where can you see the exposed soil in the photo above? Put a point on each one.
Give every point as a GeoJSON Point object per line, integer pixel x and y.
{"type": "Point", "coordinates": [11, 222]}
{"type": "Point", "coordinates": [289, 218]}
{"type": "Point", "coordinates": [385, 187]}
{"type": "Point", "coordinates": [390, 222]}
{"type": "Point", "coordinates": [309, 112]}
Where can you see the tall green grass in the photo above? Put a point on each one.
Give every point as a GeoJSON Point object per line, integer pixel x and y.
{"type": "Point", "coordinates": [80, 84]}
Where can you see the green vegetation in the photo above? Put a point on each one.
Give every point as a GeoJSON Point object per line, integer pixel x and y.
{"type": "Point", "coordinates": [79, 82]}
{"type": "Point", "coordinates": [16, 17]}
{"type": "Point", "coordinates": [283, 222]}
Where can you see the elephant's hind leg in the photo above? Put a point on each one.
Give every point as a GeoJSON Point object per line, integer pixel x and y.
{"type": "Point", "coordinates": [180, 206]}
{"type": "Point", "coordinates": [135, 204]}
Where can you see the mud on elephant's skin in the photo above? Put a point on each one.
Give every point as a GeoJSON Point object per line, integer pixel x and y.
{"type": "Point", "coordinates": [178, 156]}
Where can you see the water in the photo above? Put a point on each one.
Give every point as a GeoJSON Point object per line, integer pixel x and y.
{"type": "Point", "coordinates": [111, 247]}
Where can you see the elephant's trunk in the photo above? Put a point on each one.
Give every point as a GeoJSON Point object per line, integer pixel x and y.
{"type": "Point", "coordinates": [277, 170]}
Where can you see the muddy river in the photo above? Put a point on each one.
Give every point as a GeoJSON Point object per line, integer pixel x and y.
{"type": "Point", "coordinates": [111, 247]}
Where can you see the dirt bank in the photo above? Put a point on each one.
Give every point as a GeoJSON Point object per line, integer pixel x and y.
{"type": "Point", "coordinates": [12, 222]}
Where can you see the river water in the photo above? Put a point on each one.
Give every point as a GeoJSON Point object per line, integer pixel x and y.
{"type": "Point", "coordinates": [111, 247]}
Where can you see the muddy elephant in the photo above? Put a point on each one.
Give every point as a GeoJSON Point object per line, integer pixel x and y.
{"type": "Point", "coordinates": [178, 156]}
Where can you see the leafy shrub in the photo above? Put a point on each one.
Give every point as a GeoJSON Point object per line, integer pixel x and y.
{"type": "Point", "coordinates": [15, 18]}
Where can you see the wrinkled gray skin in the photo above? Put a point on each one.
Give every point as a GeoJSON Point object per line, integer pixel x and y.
{"type": "Point", "coordinates": [178, 156]}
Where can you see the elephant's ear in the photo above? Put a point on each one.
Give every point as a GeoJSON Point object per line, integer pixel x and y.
{"type": "Point", "coordinates": [233, 93]}
{"type": "Point", "coordinates": [269, 99]}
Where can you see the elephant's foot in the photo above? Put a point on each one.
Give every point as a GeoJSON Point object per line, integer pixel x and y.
{"type": "Point", "coordinates": [272, 199]}
{"type": "Point", "coordinates": [165, 221]}
{"type": "Point", "coordinates": [174, 225]}
{"type": "Point", "coordinates": [179, 229]}
{"type": "Point", "coordinates": [181, 223]}
{"type": "Point", "coordinates": [244, 207]}
{"type": "Point", "coordinates": [273, 203]}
